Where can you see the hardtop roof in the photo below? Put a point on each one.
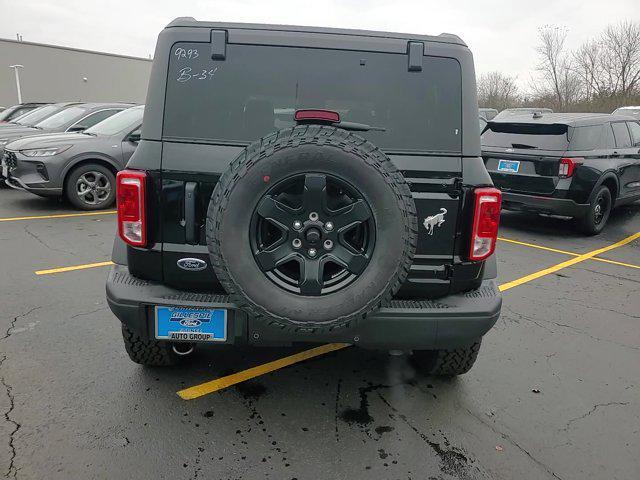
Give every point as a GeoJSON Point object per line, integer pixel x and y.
{"type": "Point", "coordinates": [192, 22]}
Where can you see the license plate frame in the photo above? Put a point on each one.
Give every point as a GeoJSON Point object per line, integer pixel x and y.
{"type": "Point", "coordinates": [508, 166]}
{"type": "Point", "coordinates": [190, 324]}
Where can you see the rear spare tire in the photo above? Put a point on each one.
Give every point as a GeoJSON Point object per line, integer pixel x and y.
{"type": "Point", "coordinates": [311, 228]}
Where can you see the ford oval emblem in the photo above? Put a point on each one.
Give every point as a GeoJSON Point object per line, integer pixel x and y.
{"type": "Point", "coordinates": [192, 264]}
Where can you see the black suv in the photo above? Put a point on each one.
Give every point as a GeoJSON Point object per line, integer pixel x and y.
{"type": "Point", "coordinates": [298, 184]}
{"type": "Point", "coordinates": [571, 164]}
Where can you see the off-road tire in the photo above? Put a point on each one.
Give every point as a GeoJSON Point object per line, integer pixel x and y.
{"type": "Point", "coordinates": [446, 362]}
{"type": "Point", "coordinates": [151, 353]}
{"type": "Point", "coordinates": [268, 157]}
{"type": "Point", "coordinates": [587, 223]}
{"type": "Point", "coordinates": [72, 178]}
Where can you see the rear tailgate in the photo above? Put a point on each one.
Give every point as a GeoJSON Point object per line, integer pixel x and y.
{"type": "Point", "coordinates": [190, 172]}
{"type": "Point", "coordinates": [524, 157]}
{"type": "Point", "coordinates": [521, 172]}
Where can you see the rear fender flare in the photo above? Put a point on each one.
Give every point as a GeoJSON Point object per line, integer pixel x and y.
{"type": "Point", "coordinates": [606, 177]}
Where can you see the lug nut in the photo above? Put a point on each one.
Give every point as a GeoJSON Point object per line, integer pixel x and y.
{"type": "Point", "coordinates": [328, 226]}
{"type": "Point", "coordinates": [312, 252]}
{"type": "Point", "coordinates": [297, 224]}
{"type": "Point", "coordinates": [297, 243]}
{"type": "Point", "coordinates": [313, 216]}
{"type": "Point", "coordinates": [328, 244]}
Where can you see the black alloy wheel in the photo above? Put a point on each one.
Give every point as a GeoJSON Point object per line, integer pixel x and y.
{"type": "Point", "coordinates": [312, 234]}
{"type": "Point", "coordinates": [597, 216]}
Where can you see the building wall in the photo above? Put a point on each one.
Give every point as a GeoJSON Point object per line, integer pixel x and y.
{"type": "Point", "coordinates": [55, 74]}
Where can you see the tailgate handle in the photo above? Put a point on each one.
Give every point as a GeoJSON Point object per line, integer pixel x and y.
{"type": "Point", "coordinates": [190, 233]}
{"type": "Point", "coordinates": [415, 51]}
{"type": "Point", "coordinates": [218, 44]}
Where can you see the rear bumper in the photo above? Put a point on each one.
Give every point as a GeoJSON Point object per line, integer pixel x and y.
{"type": "Point", "coordinates": [449, 322]}
{"type": "Point", "coordinates": [538, 204]}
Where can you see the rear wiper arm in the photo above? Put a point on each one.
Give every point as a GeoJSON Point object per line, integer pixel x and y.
{"type": "Point", "coordinates": [359, 127]}
{"type": "Point", "coordinates": [523, 145]}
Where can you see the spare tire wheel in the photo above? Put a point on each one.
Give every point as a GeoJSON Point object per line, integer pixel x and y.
{"type": "Point", "coordinates": [311, 228]}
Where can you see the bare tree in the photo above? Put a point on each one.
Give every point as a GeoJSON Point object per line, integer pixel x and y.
{"type": "Point", "coordinates": [587, 63]}
{"type": "Point", "coordinates": [620, 59]}
{"type": "Point", "coordinates": [555, 69]}
{"type": "Point", "coordinates": [496, 90]}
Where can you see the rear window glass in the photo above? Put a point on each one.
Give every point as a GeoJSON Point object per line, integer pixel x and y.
{"type": "Point", "coordinates": [37, 115]}
{"type": "Point", "coordinates": [61, 118]}
{"type": "Point", "coordinates": [257, 89]}
{"type": "Point", "coordinates": [586, 138]}
{"type": "Point", "coordinates": [526, 136]}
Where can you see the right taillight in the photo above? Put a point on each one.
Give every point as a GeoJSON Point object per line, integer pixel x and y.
{"type": "Point", "coordinates": [131, 199]}
{"type": "Point", "coordinates": [486, 219]}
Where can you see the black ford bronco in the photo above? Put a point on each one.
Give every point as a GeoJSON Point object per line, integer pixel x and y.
{"type": "Point", "coordinates": [297, 184]}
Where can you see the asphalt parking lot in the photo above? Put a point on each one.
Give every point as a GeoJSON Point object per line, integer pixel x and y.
{"type": "Point", "coordinates": [555, 392]}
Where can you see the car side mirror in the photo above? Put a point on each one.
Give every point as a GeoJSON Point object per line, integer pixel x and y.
{"type": "Point", "coordinates": [134, 136]}
{"type": "Point", "coordinates": [77, 128]}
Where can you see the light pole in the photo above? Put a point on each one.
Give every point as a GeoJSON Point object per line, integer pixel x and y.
{"type": "Point", "coordinates": [17, 73]}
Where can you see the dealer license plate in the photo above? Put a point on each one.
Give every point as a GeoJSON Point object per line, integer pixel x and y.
{"type": "Point", "coordinates": [191, 324]}
{"type": "Point", "coordinates": [511, 166]}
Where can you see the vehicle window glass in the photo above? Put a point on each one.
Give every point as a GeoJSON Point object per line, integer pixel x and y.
{"type": "Point", "coordinates": [97, 117]}
{"type": "Point", "coordinates": [18, 113]}
{"type": "Point", "coordinates": [257, 89]}
{"type": "Point", "coordinates": [526, 136]}
{"type": "Point", "coordinates": [35, 116]}
{"type": "Point", "coordinates": [61, 118]}
{"type": "Point", "coordinates": [586, 138]}
{"type": "Point", "coordinates": [621, 133]}
{"type": "Point", "coordinates": [634, 128]}
{"type": "Point", "coordinates": [125, 120]}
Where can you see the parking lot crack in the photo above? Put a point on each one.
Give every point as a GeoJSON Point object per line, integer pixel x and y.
{"type": "Point", "coordinates": [82, 314]}
{"type": "Point", "coordinates": [12, 471]}
{"type": "Point", "coordinates": [12, 324]}
{"type": "Point", "coordinates": [41, 242]}
{"type": "Point", "coordinates": [592, 410]}
{"type": "Point", "coordinates": [513, 442]}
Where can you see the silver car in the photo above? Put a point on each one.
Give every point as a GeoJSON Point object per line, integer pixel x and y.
{"type": "Point", "coordinates": [80, 166]}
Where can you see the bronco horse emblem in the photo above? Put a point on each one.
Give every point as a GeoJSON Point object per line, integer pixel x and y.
{"type": "Point", "coordinates": [434, 221]}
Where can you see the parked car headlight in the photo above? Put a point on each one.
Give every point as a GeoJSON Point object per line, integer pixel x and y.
{"type": "Point", "coordinates": [44, 152]}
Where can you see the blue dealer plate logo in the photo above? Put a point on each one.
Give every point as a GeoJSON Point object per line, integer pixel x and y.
{"type": "Point", "coordinates": [191, 324]}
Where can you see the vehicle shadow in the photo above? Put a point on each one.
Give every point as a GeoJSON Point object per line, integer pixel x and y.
{"type": "Point", "coordinates": [565, 227]}
{"type": "Point", "coordinates": [35, 204]}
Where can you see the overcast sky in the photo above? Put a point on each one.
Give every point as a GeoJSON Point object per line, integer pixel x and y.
{"type": "Point", "coordinates": [501, 33]}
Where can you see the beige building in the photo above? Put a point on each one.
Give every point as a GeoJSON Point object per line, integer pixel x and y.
{"type": "Point", "coordinates": [54, 74]}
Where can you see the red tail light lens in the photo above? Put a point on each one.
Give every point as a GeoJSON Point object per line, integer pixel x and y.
{"type": "Point", "coordinates": [131, 200]}
{"type": "Point", "coordinates": [486, 219]}
{"type": "Point", "coordinates": [317, 115]}
{"type": "Point", "coordinates": [568, 166]}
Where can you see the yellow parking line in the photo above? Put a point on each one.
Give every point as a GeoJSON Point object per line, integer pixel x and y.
{"type": "Point", "coordinates": [233, 379]}
{"type": "Point", "coordinates": [73, 267]}
{"type": "Point", "coordinates": [567, 263]}
{"type": "Point", "coordinates": [573, 254]}
{"type": "Point", "coordinates": [58, 215]}
{"type": "Point", "coordinates": [224, 382]}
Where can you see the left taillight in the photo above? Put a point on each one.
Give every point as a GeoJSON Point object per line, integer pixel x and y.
{"type": "Point", "coordinates": [568, 166]}
{"type": "Point", "coordinates": [486, 219]}
{"type": "Point", "coordinates": [131, 201]}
